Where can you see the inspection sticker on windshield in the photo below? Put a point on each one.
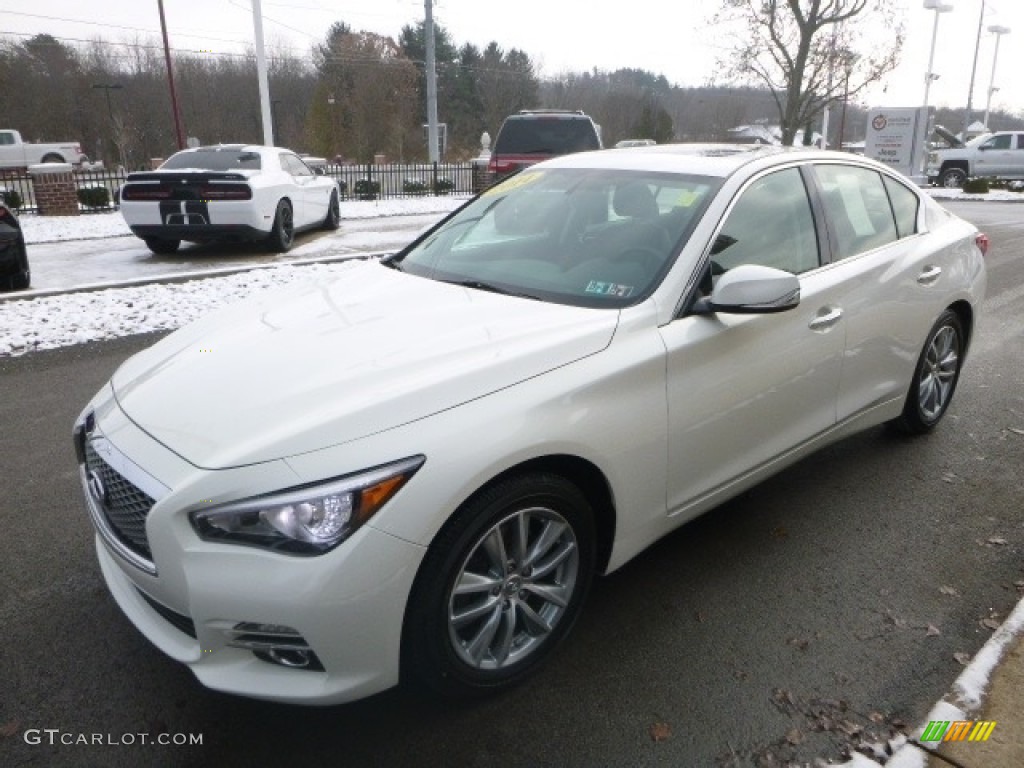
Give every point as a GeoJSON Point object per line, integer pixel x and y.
{"type": "Point", "coordinates": [609, 289]}
{"type": "Point", "coordinates": [520, 180]}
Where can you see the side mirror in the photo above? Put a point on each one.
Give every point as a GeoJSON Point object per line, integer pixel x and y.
{"type": "Point", "coordinates": [750, 289]}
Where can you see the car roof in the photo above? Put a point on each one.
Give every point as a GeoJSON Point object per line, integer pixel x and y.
{"type": "Point", "coordinates": [701, 159]}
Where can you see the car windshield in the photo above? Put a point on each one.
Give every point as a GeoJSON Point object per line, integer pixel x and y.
{"type": "Point", "coordinates": [546, 135]}
{"type": "Point", "coordinates": [585, 237]}
{"type": "Point", "coordinates": [214, 159]}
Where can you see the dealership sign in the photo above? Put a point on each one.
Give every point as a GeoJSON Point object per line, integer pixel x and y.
{"type": "Point", "coordinates": [898, 138]}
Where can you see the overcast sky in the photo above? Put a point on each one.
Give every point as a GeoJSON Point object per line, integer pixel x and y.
{"type": "Point", "coordinates": [671, 37]}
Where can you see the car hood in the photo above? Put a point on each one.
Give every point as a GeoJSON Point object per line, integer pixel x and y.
{"type": "Point", "coordinates": [292, 371]}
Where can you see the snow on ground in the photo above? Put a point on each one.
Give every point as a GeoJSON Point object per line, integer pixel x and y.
{"type": "Point", "coordinates": [996, 195]}
{"type": "Point", "coordinates": [77, 318]}
{"type": "Point", "coordinates": [92, 226]}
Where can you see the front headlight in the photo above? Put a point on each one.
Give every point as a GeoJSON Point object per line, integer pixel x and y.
{"type": "Point", "coordinates": [308, 520]}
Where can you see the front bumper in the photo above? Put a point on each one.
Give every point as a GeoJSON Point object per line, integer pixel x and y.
{"type": "Point", "coordinates": [345, 606]}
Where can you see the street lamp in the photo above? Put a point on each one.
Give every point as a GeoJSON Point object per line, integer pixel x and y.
{"type": "Point", "coordinates": [929, 76]}
{"type": "Point", "coordinates": [108, 87]}
{"type": "Point", "coordinates": [998, 31]}
{"type": "Point", "coordinates": [974, 69]}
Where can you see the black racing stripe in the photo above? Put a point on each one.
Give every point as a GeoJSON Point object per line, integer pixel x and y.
{"type": "Point", "coordinates": [168, 207]}
{"type": "Point", "coordinates": [197, 212]}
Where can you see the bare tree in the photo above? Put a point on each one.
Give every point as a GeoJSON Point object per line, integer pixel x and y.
{"type": "Point", "coordinates": [810, 52]}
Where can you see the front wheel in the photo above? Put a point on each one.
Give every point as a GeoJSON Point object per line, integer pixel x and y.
{"type": "Point", "coordinates": [162, 245]}
{"type": "Point", "coordinates": [954, 178]}
{"type": "Point", "coordinates": [282, 234]}
{"type": "Point", "coordinates": [935, 378]}
{"type": "Point", "coordinates": [500, 587]}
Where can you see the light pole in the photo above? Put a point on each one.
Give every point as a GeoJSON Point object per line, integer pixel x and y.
{"type": "Point", "coordinates": [998, 31]}
{"type": "Point", "coordinates": [108, 87]}
{"type": "Point", "coordinates": [974, 69]}
{"type": "Point", "coordinates": [929, 76]}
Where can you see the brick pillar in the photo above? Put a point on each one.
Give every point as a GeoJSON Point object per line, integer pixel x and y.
{"type": "Point", "coordinates": [54, 189]}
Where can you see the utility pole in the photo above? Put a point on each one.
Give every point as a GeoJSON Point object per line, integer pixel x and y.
{"type": "Point", "coordinates": [261, 74]}
{"type": "Point", "coordinates": [178, 129]}
{"type": "Point", "coordinates": [428, 28]}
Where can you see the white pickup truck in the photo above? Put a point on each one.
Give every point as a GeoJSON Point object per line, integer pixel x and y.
{"type": "Point", "coordinates": [15, 153]}
{"type": "Point", "coordinates": [997, 155]}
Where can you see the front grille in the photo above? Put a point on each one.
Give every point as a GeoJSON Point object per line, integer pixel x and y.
{"type": "Point", "coordinates": [124, 505]}
{"type": "Point", "coordinates": [176, 620]}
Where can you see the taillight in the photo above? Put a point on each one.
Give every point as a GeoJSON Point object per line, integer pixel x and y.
{"type": "Point", "coordinates": [500, 166]}
{"type": "Point", "coordinates": [143, 191]}
{"type": "Point", "coordinates": [226, 192]}
{"type": "Point", "coordinates": [981, 240]}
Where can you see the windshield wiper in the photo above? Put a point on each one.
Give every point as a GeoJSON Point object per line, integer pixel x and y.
{"type": "Point", "coordinates": [480, 285]}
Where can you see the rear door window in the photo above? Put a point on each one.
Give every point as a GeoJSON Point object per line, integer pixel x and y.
{"type": "Point", "coordinates": [858, 209]}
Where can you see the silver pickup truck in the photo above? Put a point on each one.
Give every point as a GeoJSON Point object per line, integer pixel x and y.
{"type": "Point", "coordinates": [997, 155]}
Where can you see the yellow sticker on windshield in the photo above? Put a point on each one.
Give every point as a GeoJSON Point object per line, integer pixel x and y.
{"type": "Point", "coordinates": [520, 180]}
{"type": "Point", "coordinates": [687, 197]}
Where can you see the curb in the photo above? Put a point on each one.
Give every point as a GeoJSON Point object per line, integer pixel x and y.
{"type": "Point", "coordinates": [184, 277]}
{"type": "Point", "coordinates": [963, 699]}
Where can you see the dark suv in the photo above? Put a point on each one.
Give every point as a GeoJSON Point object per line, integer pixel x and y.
{"type": "Point", "coordinates": [14, 271]}
{"type": "Point", "coordinates": [533, 135]}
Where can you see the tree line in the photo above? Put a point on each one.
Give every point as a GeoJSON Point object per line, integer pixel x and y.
{"type": "Point", "coordinates": [356, 95]}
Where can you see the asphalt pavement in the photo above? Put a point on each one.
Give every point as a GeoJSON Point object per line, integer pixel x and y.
{"type": "Point", "coordinates": [825, 611]}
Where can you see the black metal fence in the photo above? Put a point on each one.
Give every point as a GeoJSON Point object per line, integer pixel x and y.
{"type": "Point", "coordinates": [98, 189]}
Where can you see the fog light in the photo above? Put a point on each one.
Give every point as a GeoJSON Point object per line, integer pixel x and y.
{"type": "Point", "coordinates": [275, 644]}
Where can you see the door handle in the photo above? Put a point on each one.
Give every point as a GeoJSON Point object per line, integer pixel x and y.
{"type": "Point", "coordinates": [825, 319]}
{"type": "Point", "coordinates": [929, 275]}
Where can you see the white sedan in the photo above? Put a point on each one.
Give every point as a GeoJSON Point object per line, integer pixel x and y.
{"type": "Point", "coordinates": [414, 472]}
{"type": "Point", "coordinates": [228, 192]}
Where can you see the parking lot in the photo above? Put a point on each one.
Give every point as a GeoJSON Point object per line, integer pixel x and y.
{"type": "Point", "coordinates": [820, 610]}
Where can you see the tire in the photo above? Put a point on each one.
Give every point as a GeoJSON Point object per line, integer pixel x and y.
{"type": "Point", "coordinates": [954, 178]}
{"type": "Point", "coordinates": [53, 158]}
{"type": "Point", "coordinates": [333, 220]}
{"type": "Point", "coordinates": [161, 245]}
{"type": "Point", "coordinates": [22, 279]}
{"type": "Point", "coordinates": [282, 234]}
{"type": "Point", "coordinates": [935, 377]}
{"type": "Point", "coordinates": [511, 613]}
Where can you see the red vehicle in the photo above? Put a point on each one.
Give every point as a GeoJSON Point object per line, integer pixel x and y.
{"type": "Point", "coordinates": [533, 135]}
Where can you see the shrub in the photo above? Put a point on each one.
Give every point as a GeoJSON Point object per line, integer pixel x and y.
{"type": "Point", "coordinates": [94, 197]}
{"type": "Point", "coordinates": [443, 186]}
{"type": "Point", "coordinates": [414, 187]}
{"type": "Point", "coordinates": [976, 186]}
{"type": "Point", "coordinates": [367, 189]}
{"type": "Point", "coordinates": [12, 197]}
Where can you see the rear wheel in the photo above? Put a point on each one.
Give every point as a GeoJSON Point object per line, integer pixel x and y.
{"type": "Point", "coordinates": [333, 220]}
{"type": "Point", "coordinates": [21, 277]}
{"type": "Point", "coordinates": [282, 234]}
{"type": "Point", "coordinates": [935, 378]}
{"type": "Point", "coordinates": [162, 245]}
{"type": "Point", "coordinates": [53, 158]}
{"type": "Point", "coordinates": [500, 587]}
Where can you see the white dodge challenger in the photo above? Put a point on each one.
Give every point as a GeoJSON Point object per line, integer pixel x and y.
{"type": "Point", "coordinates": [228, 192]}
{"type": "Point", "coordinates": [415, 469]}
